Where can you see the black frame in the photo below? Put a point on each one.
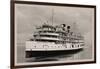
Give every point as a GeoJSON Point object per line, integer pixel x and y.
{"type": "Point", "coordinates": [12, 65]}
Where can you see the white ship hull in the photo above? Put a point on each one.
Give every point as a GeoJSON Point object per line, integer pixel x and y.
{"type": "Point", "coordinates": [47, 48]}
{"type": "Point", "coordinates": [44, 46]}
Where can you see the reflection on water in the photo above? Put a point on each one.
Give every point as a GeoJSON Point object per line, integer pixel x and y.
{"type": "Point", "coordinates": [86, 53]}
{"type": "Point", "coordinates": [54, 57]}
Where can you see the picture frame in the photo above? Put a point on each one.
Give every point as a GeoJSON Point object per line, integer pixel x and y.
{"type": "Point", "coordinates": [31, 50]}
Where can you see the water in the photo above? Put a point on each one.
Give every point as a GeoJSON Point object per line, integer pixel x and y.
{"type": "Point", "coordinates": [82, 54]}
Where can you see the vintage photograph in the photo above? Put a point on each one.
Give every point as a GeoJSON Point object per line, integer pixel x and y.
{"type": "Point", "coordinates": [46, 34]}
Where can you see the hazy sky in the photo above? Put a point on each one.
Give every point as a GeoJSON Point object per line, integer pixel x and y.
{"type": "Point", "coordinates": [28, 16]}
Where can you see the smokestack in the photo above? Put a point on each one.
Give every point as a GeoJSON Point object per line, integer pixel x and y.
{"type": "Point", "coordinates": [68, 29]}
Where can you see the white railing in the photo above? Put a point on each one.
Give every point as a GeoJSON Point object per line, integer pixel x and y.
{"type": "Point", "coordinates": [35, 46]}
{"type": "Point", "coordinates": [47, 38]}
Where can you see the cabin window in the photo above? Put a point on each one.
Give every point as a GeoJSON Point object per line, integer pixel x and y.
{"type": "Point", "coordinates": [45, 28]}
{"type": "Point", "coordinates": [66, 46]}
{"type": "Point", "coordinates": [78, 45]}
{"type": "Point", "coordinates": [34, 46]}
{"type": "Point", "coordinates": [72, 46]}
{"type": "Point", "coordinates": [49, 29]}
{"type": "Point", "coordinates": [58, 46]}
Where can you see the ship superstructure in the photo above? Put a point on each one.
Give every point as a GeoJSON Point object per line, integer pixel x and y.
{"type": "Point", "coordinates": [53, 39]}
{"type": "Point", "coordinates": [49, 38]}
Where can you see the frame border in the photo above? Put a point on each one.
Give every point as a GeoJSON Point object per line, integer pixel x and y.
{"type": "Point", "coordinates": [12, 34]}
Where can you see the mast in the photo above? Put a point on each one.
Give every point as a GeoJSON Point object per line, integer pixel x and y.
{"type": "Point", "coordinates": [52, 15]}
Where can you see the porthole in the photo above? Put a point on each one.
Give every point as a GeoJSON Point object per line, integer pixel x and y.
{"type": "Point", "coordinates": [34, 46]}
{"type": "Point", "coordinates": [72, 46]}
{"type": "Point", "coordinates": [78, 45]}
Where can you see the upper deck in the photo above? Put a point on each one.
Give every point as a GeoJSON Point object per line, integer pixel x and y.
{"type": "Point", "coordinates": [56, 33]}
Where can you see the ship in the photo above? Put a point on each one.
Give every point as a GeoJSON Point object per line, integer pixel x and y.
{"type": "Point", "coordinates": [53, 40]}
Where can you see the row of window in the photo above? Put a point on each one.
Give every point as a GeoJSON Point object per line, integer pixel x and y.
{"type": "Point", "coordinates": [46, 46]}
{"type": "Point", "coordinates": [55, 36]}
{"type": "Point", "coordinates": [52, 29]}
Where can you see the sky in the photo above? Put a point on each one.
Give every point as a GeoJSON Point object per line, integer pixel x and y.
{"type": "Point", "coordinates": [27, 17]}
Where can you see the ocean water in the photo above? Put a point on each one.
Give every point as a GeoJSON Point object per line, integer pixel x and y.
{"type": "Point", "coordinates": [86, 53]}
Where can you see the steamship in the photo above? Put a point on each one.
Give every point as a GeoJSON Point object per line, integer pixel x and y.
{"type": "Point", "coordinates": [53, 40]}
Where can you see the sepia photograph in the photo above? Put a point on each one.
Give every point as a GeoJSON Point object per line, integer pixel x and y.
{"type": "Point", "coordinates": [52, 33]}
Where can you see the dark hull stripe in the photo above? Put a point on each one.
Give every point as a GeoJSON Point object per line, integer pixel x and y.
{"type": "Point", "coordinates": [30, 54]}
